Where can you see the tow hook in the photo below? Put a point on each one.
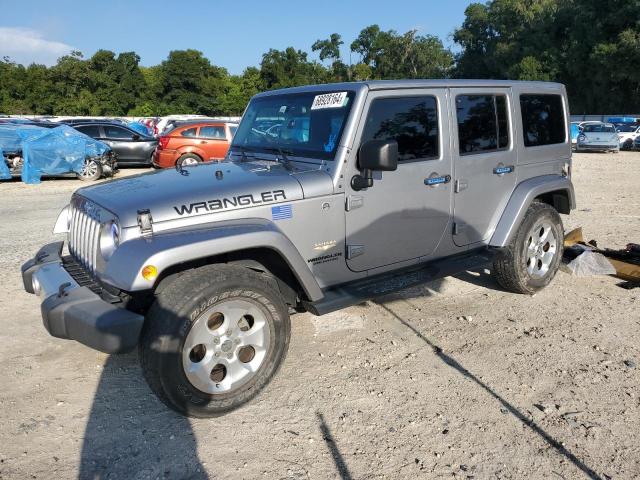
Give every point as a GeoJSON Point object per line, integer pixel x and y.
{"type": "Point", "coordinates": [62, 288]}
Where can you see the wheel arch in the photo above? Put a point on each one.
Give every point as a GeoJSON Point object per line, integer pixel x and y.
{"type": "Point", "coordinates": [254, 243]}
{"type": "Point", "coordinates": [554, 190]}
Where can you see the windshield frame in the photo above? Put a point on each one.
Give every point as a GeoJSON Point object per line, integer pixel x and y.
{"type": "Point", "coordinates": [292, 150]}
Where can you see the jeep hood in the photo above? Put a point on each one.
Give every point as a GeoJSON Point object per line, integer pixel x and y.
{"type": "Point", "coordinates": [203, 189]}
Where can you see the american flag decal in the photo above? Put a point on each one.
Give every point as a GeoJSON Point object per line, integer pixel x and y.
{"type": "Point", "coordinates": [281, 212]}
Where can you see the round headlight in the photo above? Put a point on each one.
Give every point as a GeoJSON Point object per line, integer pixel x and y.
{"type": "Point", "coordinates": [582, 138]}
{"type": "Point", "coordinates": [109, 239]}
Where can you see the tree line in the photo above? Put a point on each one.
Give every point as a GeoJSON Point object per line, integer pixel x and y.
{"type": "Point", "coordinates": [592, 46]}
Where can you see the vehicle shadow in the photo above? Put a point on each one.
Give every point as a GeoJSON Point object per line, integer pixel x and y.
{"type": "Point", "coordinates": [480, 277]}
{"type": "Point", "coordinates": [527, 422]}
{"type": "Point", "coordinates": [338, 459]}
{"type": "Point", "coordinates": [131, 434]}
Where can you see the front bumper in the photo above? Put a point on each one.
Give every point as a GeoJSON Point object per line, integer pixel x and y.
{"type": "Point", "coordinates": [75, 312]}
{"type": "Point", "coordinates": [596, 147]}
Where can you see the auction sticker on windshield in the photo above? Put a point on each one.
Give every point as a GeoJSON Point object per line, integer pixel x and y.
{"type": "Point", "coordinates": [329, 100]}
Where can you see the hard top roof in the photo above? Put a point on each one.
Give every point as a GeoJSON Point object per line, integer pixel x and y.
{"type": "Point", "coordinates": [402, 84]}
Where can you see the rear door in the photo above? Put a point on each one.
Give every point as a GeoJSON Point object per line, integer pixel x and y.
{"type": "Point", "coordinates": [484, 160]}
{"type": "Point", "coordinates": [405, 214]}
{"type": "Point", "coordinates": [213, 141]}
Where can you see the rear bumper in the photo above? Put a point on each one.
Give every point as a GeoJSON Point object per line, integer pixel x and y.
{"type": "Point", "coordinates": [165, 158]}
{"type": "Point", "coordinates": [74, 312]}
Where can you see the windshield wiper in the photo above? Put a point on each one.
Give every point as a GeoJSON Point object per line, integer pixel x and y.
{"type": "Point", "coordinates": [283, 155]}
{"type": "Point", "coordinates": [243, 151]}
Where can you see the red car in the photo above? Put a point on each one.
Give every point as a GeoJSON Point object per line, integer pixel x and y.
{"type": "Point", "coordinates": [192, 143]}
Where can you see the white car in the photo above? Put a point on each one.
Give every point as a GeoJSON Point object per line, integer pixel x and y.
{"type": "Point", "coordinates": [598, 137]}
{"type": "Point", "coordinates": [627, 134]}
{"type": "Point", "coordinates": [164, 121]}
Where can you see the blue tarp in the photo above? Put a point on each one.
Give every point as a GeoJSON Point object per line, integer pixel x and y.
{"type": "Point", "coordinates": [140, 128]}
{"type": "Point", "coordinates": [49, 151]}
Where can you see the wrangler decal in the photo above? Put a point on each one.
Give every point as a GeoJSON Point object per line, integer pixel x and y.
{"type": "Point", "coordinates": [225, 203]}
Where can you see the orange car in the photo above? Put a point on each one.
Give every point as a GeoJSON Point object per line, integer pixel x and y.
{"type": "Point", "coordinates": [191, 143]}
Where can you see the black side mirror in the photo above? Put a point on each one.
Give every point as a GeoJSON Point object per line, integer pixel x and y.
{"type": "Point", "coordinates": [135, 137]}
{"type": "Point", "coordinates": [375, 155]}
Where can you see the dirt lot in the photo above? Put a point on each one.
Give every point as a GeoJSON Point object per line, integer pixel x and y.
{"type": "Point", "coordinates": [456, 378]}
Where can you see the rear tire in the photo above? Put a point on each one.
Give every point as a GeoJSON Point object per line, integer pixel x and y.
{"type": "Point", "coordinates": [188, 159]}
{"type": "Point", "coordinates": [213, 339]}
{"type": "Point", "coordinates": [531, 260]}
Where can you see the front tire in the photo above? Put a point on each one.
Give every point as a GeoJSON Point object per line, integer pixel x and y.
{"type": "Point", "coordinates": [531, 260]}
{"type": "Point", "coordinates": [91, 171]}
{"type": "Point", "coordinates": [213, 339]}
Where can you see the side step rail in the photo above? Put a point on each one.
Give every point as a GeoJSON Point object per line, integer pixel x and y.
{"type": "Point", "coordinates": [359, 291]}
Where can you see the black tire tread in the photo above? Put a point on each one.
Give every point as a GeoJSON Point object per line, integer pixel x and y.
{"type": "Point", "coordinates": [505, 269]}
{"type": "Point", "coordinates": [173, 298]}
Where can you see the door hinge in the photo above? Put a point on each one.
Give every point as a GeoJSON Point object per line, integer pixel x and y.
{"type": "Point", "coordinates": [461, 185]}
{"type": "Point", "coordinates": [354, 201]}
{"type": "Point", "coordinates": [354, 251]}
{"type": "Point", "coordinates": [459, 227]}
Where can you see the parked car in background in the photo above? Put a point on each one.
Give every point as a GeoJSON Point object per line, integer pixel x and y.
{"type": "Point", "coordinates": [190, 143]}
{"type": "Point", "coordinates": [131, 147]}
{"type": "Point", "coordinates": [575, 131]}
{"type": "Point", "coordinates": [636, 143]}
{"type": "Point", "coordinates": [598, 137]}
{"type": "Point", "coordinates": [627, 133]}
{"type": "Point", "coordinates": [163, 124]}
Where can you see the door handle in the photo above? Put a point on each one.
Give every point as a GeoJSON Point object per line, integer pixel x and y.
{"type": "Point", "coordinates": [503, 170]}
{"type": "Point", "coordinates": [202, 142]}
{"type": "Point", "coordinates": [434, 180]}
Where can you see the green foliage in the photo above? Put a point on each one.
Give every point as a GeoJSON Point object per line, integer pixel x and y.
{"type": "Point", "coordinates": [592, 46]}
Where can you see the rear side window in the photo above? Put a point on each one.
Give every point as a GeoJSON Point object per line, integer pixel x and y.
{"type": "Point", "coordinates": [92, 131]}
{"type": "Point", "coordinates": [118, 133]}
{"type": "Point", "coordinates": [190, 132]}
{"type": "Point", "coordinates": [213, 131]}
{"type": "Point", "coordinates": [411, 121]}
{"type": "Point", "coordinates": [483, 123]}
{"type": "Point", "coordinates": [542, 120]}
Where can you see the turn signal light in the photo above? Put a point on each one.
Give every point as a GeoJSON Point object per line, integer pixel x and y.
{"type": "Point", "coordinates": [149, 272]}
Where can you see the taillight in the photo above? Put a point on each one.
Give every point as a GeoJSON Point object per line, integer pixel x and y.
{"type": "Point", "coordinates": [163, 141]}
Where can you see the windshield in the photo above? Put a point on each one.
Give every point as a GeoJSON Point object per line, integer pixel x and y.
{"type": "Point", "coordinates": [304, 124]}
{"type": "Point", "coordinates": [599, 128]}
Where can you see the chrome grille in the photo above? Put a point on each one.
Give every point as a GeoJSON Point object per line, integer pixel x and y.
{"type": "Point", "coordinates": [84, 232]}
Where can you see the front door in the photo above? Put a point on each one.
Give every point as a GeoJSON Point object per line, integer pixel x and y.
{"type": "Point", "coordinates": [405, 214]}
{"type": "Point", "coordinates": [485, 160]}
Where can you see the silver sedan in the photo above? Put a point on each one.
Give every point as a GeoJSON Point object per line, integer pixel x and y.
{"type": "Point", "coordinates": [598, 137]}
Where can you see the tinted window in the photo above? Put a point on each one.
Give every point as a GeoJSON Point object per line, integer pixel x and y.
{"type": "Point", "coordinates": [213, 131]}
{"type": "Point", "coordinates": [91, 130]}
{"type": "Point", "coordinates": [190, 132]}
{"type": "Point", "coordinates": [111, 131]}
{"type": "Point", "coordinates": [483, 123]}
{"type": "Point", "coordinates": [542, 119]}
{"type": "Point", "coordinates": [411, 121]}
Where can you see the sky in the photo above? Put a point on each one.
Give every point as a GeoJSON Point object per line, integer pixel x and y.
{"type": "Point", "coordinates": [232, 34]}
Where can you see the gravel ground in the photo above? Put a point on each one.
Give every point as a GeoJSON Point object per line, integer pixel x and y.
{"type": "Point", "coordinates": [456, 378]}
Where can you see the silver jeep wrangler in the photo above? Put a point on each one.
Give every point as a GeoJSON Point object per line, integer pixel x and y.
{"type": "Point", "coordinates": [330, 195]}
